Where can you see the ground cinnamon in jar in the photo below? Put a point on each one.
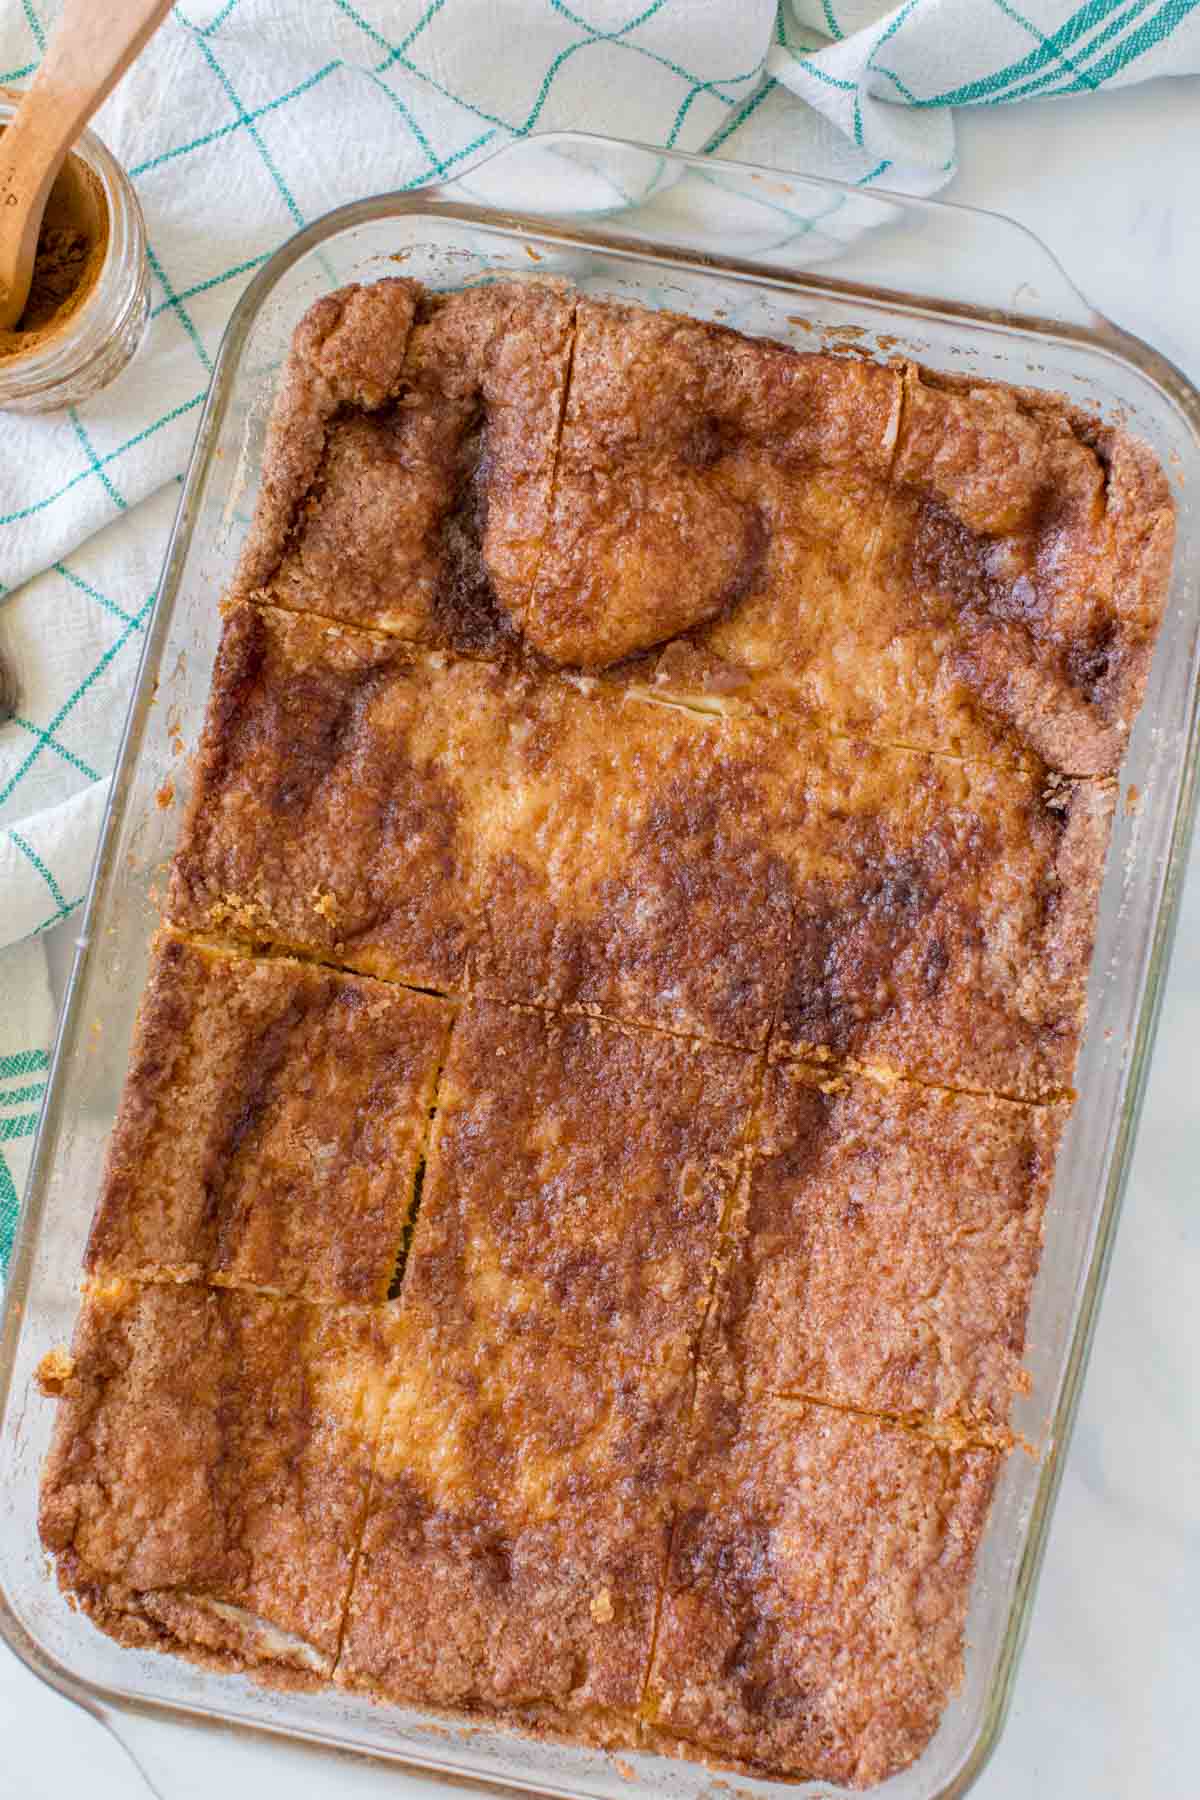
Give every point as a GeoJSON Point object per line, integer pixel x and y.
{"type": "Point", "coordinates": [70, 255]}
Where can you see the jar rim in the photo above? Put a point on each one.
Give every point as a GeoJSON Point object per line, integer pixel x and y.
{"type": "Point", "coordinates": [117, 292]}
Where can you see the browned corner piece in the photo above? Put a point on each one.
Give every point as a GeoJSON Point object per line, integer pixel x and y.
{"type": "Point", "coordinates": [407, 474]}
{"type": "Point", "coordinates": [205, 1487]}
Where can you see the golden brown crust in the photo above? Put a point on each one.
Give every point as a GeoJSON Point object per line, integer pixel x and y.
{"type": "Point", "coordinates": [820, 1564]}
{"type": "Point", "coordinates": [332, 787]}
{"type": "Point", "coordinates": [519, 1514]}
{"type": "Point", "coordinates": [271, 1126]}
{"type": "Point", "coordinates": [887, 1246]}
{"type": "Point", "coordinates": [983, 575]}
{"type": "Point", "coordinates": [423, 509]}
{"type": "Point", "coordinates": [347, 351]}
{"type": "Point", "coordinates": [208, 1472]}
{"type": "Point", "coordinates": [662, 516]}
{"type": "Point", "coordinates": [1043, 544]}
{"type": "Point", "coordinates": [588, 663]}
{"type": "Point", "coordinates": [638, 877]}
{"type": "Point", "coordinates": [517, 1527]}
{"type": "Point", "coordinates": [944, 919]}
{"type": "Point", "coordinates": [578, 1176]}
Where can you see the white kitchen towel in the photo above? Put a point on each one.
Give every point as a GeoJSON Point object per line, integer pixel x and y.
{"type": "Point", "coordinates": [245, 119]}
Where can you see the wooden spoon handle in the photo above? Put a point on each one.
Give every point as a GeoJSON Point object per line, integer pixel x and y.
{"type": "Point", "coordinates": [90, 50]}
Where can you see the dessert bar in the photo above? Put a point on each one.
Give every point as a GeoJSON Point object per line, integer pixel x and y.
{"type": "Point", "coordinates": [698, 472]}
{"type": "Point", "coordinates": [274, 1121]}
{"type": "Point", "coordinates": [334, 797]}
{"type": "Point", "coordinates": [209, 1471]}
{"type": "Point", "coordinates": [408, 481]}
{"type": "Point", "coordinates": [816, 1590]}
{"type": "Point", "coordinates": [887, 1244]}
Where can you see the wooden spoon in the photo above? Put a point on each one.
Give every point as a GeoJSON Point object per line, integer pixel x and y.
{"type": "Point", "coordinates": [90, 50]}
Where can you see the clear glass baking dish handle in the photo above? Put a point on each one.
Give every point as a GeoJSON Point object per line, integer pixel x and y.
{"type": "Point", "coordinates": [887, 244]}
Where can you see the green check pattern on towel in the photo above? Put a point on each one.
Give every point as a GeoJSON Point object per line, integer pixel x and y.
{"type": "Point", "coordinates": [246, 119]}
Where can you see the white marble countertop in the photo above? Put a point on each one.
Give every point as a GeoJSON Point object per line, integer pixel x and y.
{"type": "Point", "coordinates": [1107, 1703]}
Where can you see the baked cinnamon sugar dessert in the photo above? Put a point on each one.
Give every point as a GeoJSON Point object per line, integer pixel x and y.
{"type": "Point", "coordinates": [567, 1239]}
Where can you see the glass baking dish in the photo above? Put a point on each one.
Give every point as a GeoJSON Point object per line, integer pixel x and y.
{"type": "Point", "coordinates": [811, 262]}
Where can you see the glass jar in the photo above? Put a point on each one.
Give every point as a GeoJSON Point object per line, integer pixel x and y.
{"type": "Point", "coordinates": [73, 359]}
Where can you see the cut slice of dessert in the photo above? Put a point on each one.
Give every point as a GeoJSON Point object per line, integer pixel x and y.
{"type": "Point", "coordinates": [334, 792]}
{"type": "Point", "coordinates": [272, 1125]}
{"type": "Point", "coordinates": [517, 1527]}
{"type": "Point", "coordinates": [631, 869]}
{"type": "Point", "coordinates": [205, 1488]}
{"type": "Point", "coordinates": [886, 1246]}
{"type": "Point", "coordinates": [701, 475]}
{"type": "Point", "coordinates": [417, 504]}
{"type": "Point", "coordinates": [1020, 577]}
{"type": "Point", "coordinates": [577, 1179]}
{"type": "Point", "coordinates": [944, 914]}
{"type": "Point", "coordinates": [812, 1619]}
